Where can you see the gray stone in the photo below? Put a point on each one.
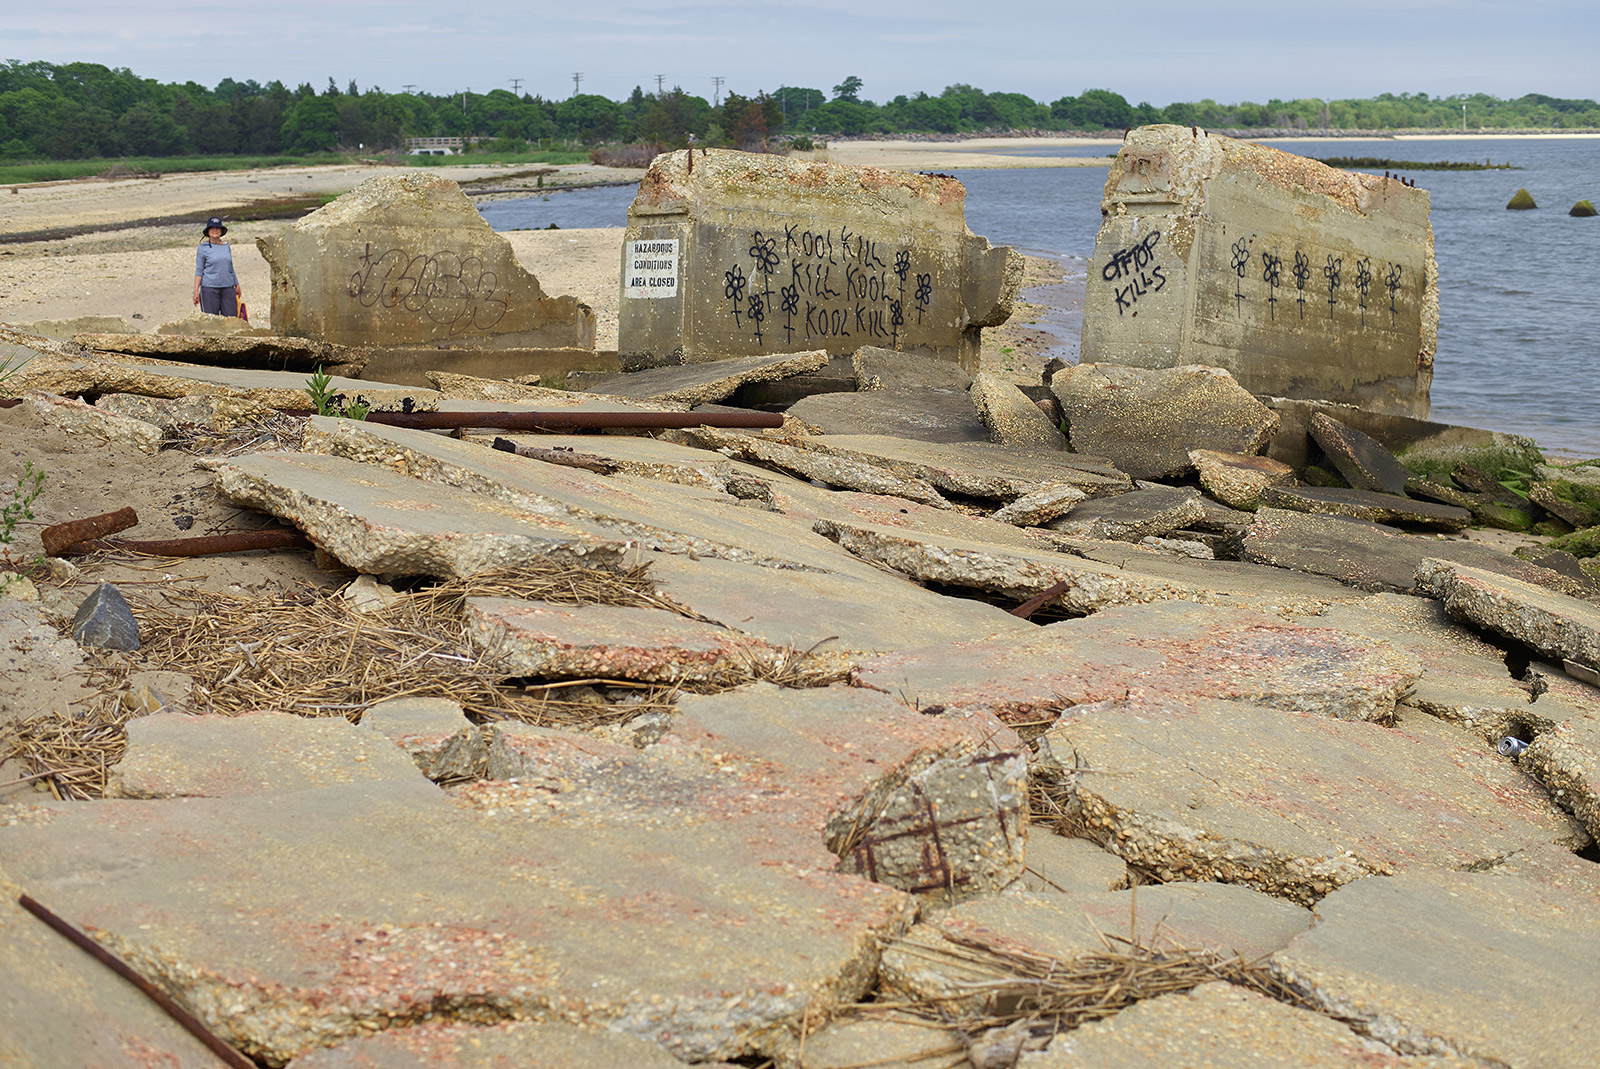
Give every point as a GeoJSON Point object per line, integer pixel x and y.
{"type": "Point", "coordinates": [680, 894]}
{"type": "Point", "coordinates": [407, 260]}
{"type": "Point", "coordinates": [1012, 418]}
{"type": "Point", "coordinates": [932, 414]}
{"type": "Point", "coordinates": [1040, 507]}
{"type": "Point", "coordinates": [374, 520]}
{"type": "Point", "coordinates": [936, 959]}
{"type": "Point", "coordinates": [434, 733]}
{"type": "Point", "coordinates": [1554, 624]}
{"type": "Point", "coordinates": [1148, 420]}
{"type": "Point", "coordinates": [1305, 803]}
{"type": "Point", "coordinates": [1059, 865]}
{"type": "Point", "coordinates": [1131, 516]}
{"type": "Point", "coordinates": [171, 755]}
{"type": "Point", "coordinates": [1371, 557]}
{"type": "Point", "coordinates": [877, 368]}
{"type": "Point", "coordinates": [713, 238]}
{"type": "Point", "coordinates": [76, 417]}
{"type": "Point", "coordinates": [519, 1044]}
{"type": "Point", "coordinates": [544, 640]}
{"type": "Point", "coordinates": [1220, 1024]}
{"type": "Point", "coordinates": [1368, 505]}
{"type": "Point", "coordinates": [1237, 479]}
{"type": "Point", "coordinates": [258, 350]}
{"type": "Point", "coordinates": [1478, 964]}
{"type": "Point", "coordinates": [104, 620]}
{"type": "Point", "coordinates": [1364, 463]}
{"type": "Point", "coordinates": [697, 385]}
{"type": "Point", "coordinates": [1205, 240]}
{"type": "Point", "coordinates": [1169, 651]}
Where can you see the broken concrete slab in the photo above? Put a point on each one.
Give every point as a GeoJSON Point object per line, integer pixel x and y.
{"type": "Point", "coordinates": [795, 457]}
{"type": "Point", "coordinates": [1420, 444]}
{"type": "Point", "coordinates": [173, 755]}
{"type": "Point", "coordinates": [1147, 421]}
{"type": "Point", "coordinates": [1221, 1024]}
{"type": "Point", "coordinates": [1363, 462]}
{"type": "Point", "coordinates": [457, 387]}
{"type": "Point", "coordinates": [893, 1044]}
{"type": "Point", "coordinates": [373, 520]}
{"type": "Point", "coordinates": [76, 417]}
{"type": "Point", "coordinates": [396, 903]}
{"type": "Point", "coordinates": [1164, 651]}
{"type": "Point", "coordinates": [1479, 964]}
{"type": "Point", "coordinates": [407, 260]}
{"type": "Point", "coordinates": [877, 368]}
{"type": "Point", "coordinates": [942, 960]}
{"type": "Point", "coordinates": [1237, 479]}
{"type": "Point", "coordinates": [934, 414]}
{"type": "Point", "coordinates": [654, 515]}
{"type": "Point", "coordinates": [1309, 803]}
{"type": "Point", "coordinates": [845, 611]}
{"type": "Point", "coordinates": [1560, 498]}
{"type": "Point", "coordinates": [1061, 865]}
{"type": "Point", "coordinates": [1011, 416]}
{"type": "Point", "coordinates": [174, 415]}
{"type": "Point", "coordinates": [60, 1007]}
{"type": "Point", "coordinates": [256, 350]}
{"type": "Point", "coordinates": [503, 1045]}
{"type": "Point", "coordinates": [543, 640]}
{"type": "Point", "coordinates": [434, 733]}
{"type": "Point", "coordinates": [1203, 234]}
{"type": "Point", "coordinates": [1554, 624]}
{"type": "Point", "coordinates": [274, 389]}
{"type": "Point", "coordinates": [64, 329]}
{"type": "Point", "coordinates": [1566, 759]}
{"type": "Point", "coordinates": [1371, 557]}
{"type": "Point", "coordinates": [696, 384]}
{"type": "Point", "coordinates": [1158, 510]}
{"type": "Point", "coordinates": [646, 458]}
{"type": "Point", "coordinates": [1464, 679]}
{"type": "Point", "coordinates": [198, 324]}
{"type": "Point", "coordinates": [412, 364]}
{"type": "Point", "coordinates": [1369, 505]}
{"type": "Point", "coordinates": [731, 254]}
{"type": "Point", "coordinates": [1041, 506]}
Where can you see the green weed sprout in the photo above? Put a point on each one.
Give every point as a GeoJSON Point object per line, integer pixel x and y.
{"type": "Point", "coordinates": [17, 506]}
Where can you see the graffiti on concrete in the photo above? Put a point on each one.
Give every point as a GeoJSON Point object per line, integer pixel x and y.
{"type": "Point", "coordinates": [454, 290]}
{"type": "Point", "coordinates": [827, 282]}
{"type": "Point", "coordinates": [1136, 263]}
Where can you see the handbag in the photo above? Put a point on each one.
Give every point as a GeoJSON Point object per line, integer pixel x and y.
{"type": "Point", "coordinates": [244, 313]}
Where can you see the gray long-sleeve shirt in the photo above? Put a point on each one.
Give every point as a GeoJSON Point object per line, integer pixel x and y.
{"type": "Point", "coordinates": [214, 265]}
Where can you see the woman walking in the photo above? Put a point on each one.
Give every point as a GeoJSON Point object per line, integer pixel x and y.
{"type": "Point", "coordinates": [216, 287]}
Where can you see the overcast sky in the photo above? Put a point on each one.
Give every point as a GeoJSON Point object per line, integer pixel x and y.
{"type": "Point", "coordinates": [1155, 50]}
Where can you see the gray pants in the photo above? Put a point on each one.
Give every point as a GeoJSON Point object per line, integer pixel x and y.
{"type": "Point", "coordinates": [219, 301]}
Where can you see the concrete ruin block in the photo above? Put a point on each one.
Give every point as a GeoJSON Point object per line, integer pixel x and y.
{"type": "Point", "coordinates": [434, 733]}
{"type": "Point", "coordinates": [735, 254]}
{"type": "Point", "coordinates": [407, 260]}
{"type": "Point", "coordinates": [1301, 279]}
{"type": "Point", "coordinates": [76, 417]}
{"type": "Point", "coordinates": [1011, 417]}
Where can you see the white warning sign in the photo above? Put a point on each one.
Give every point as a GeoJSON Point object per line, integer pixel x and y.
{"type": "Point", "coordinates": [652, 268]}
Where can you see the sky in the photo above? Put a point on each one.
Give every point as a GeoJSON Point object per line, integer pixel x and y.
{"type": "Point", "coordinates": [1147, 50]}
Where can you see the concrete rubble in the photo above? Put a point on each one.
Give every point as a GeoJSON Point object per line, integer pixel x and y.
{"type": "Point", "coordinates": [919, 697]}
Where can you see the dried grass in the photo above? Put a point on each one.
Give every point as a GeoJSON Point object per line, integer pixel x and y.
{"type": "Point", "coordinates": [274, 432]}
{"type": "Point", "coordinates": [314, 654]}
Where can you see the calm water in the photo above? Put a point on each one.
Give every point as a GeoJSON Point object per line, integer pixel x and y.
{"type": "Point", "coordinates": [1519, 292]}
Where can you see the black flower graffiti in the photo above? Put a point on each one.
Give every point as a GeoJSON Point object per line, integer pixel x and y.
{"type": "Point", "coordinates": [733, 289]}
{"type": "Point", "coordinates": [1272, 275]}
{"type": "Point", "coordinates": [1302, 275]}
{"type": "Point", "coordinates": [757, 313]}
{"type": "Point", "coordinates": [1330, 272]}
{"type": "Point", "coordinates": [1391, 282]}
{"type": "Point", "coordinates": [902, 264]}
{"type": "Point", "coordinates": [791, 299]}
{"type": "Point", "coordinates": [1239, 262]}
{"type": "Point", "coordinates": [764, 251]}
{"type": "Point", "coordinates": [1363, 285]}
{"type": "Point", "coordinates": [924, 294]}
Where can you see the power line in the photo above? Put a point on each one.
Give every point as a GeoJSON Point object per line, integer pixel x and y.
{"type": "Point", "coordinates": [409, 86]}
{"type": "Point", "coordinates": [577, 80]}
{"type": "Point", "coordinates": [516, 85]}
{"type": "Point", "coordinates": [659, 79]}
{"type": "Point", "coordinates": [716, 92]}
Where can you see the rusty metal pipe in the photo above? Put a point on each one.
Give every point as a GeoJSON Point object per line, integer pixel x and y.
{"type": "Point", "coordinates": [188, 1020]}
{"type": "Point", "coordinates": [59, 536]}
{"type": "Point", "coordinates": [202, 546]}
{"type": "Point", "coordinates": [567, 421]}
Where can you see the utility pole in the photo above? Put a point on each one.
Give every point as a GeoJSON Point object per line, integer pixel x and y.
{"type": "Point", "coordinates": [716, 92]}
{"type": "Point", "coordinates": [409, 86]}
{"type": "Point", "coordinates": [516, 85]}
{"type": "Point", "coordinates": [464, 99]}
{"type": "Point", "coordinates": [577, 80]}
{"type": "Point", "coordinates": [659, 79]}
{"type": "Point", "coordinates": [1463, 118]}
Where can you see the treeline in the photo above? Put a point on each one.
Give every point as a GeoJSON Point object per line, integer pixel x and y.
{"type": "Point", "coordinates": [83, 110]}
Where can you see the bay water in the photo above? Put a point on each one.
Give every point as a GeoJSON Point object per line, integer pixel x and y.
{"type": "Point", "coordinates": [1519, 291]}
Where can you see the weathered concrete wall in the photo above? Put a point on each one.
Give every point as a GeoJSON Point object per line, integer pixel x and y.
{"type": "Point", "coordinates": [744, 254]}
{"type": "Point", "coordinates": [407, 260]}
{"type": "Point", "coordinates": [1302, 280]}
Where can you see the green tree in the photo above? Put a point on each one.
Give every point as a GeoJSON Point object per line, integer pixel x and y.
{"type": "Point", "coordinates": [848, 89]}
{"type": "Point", "coordinates": [311, 125]}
